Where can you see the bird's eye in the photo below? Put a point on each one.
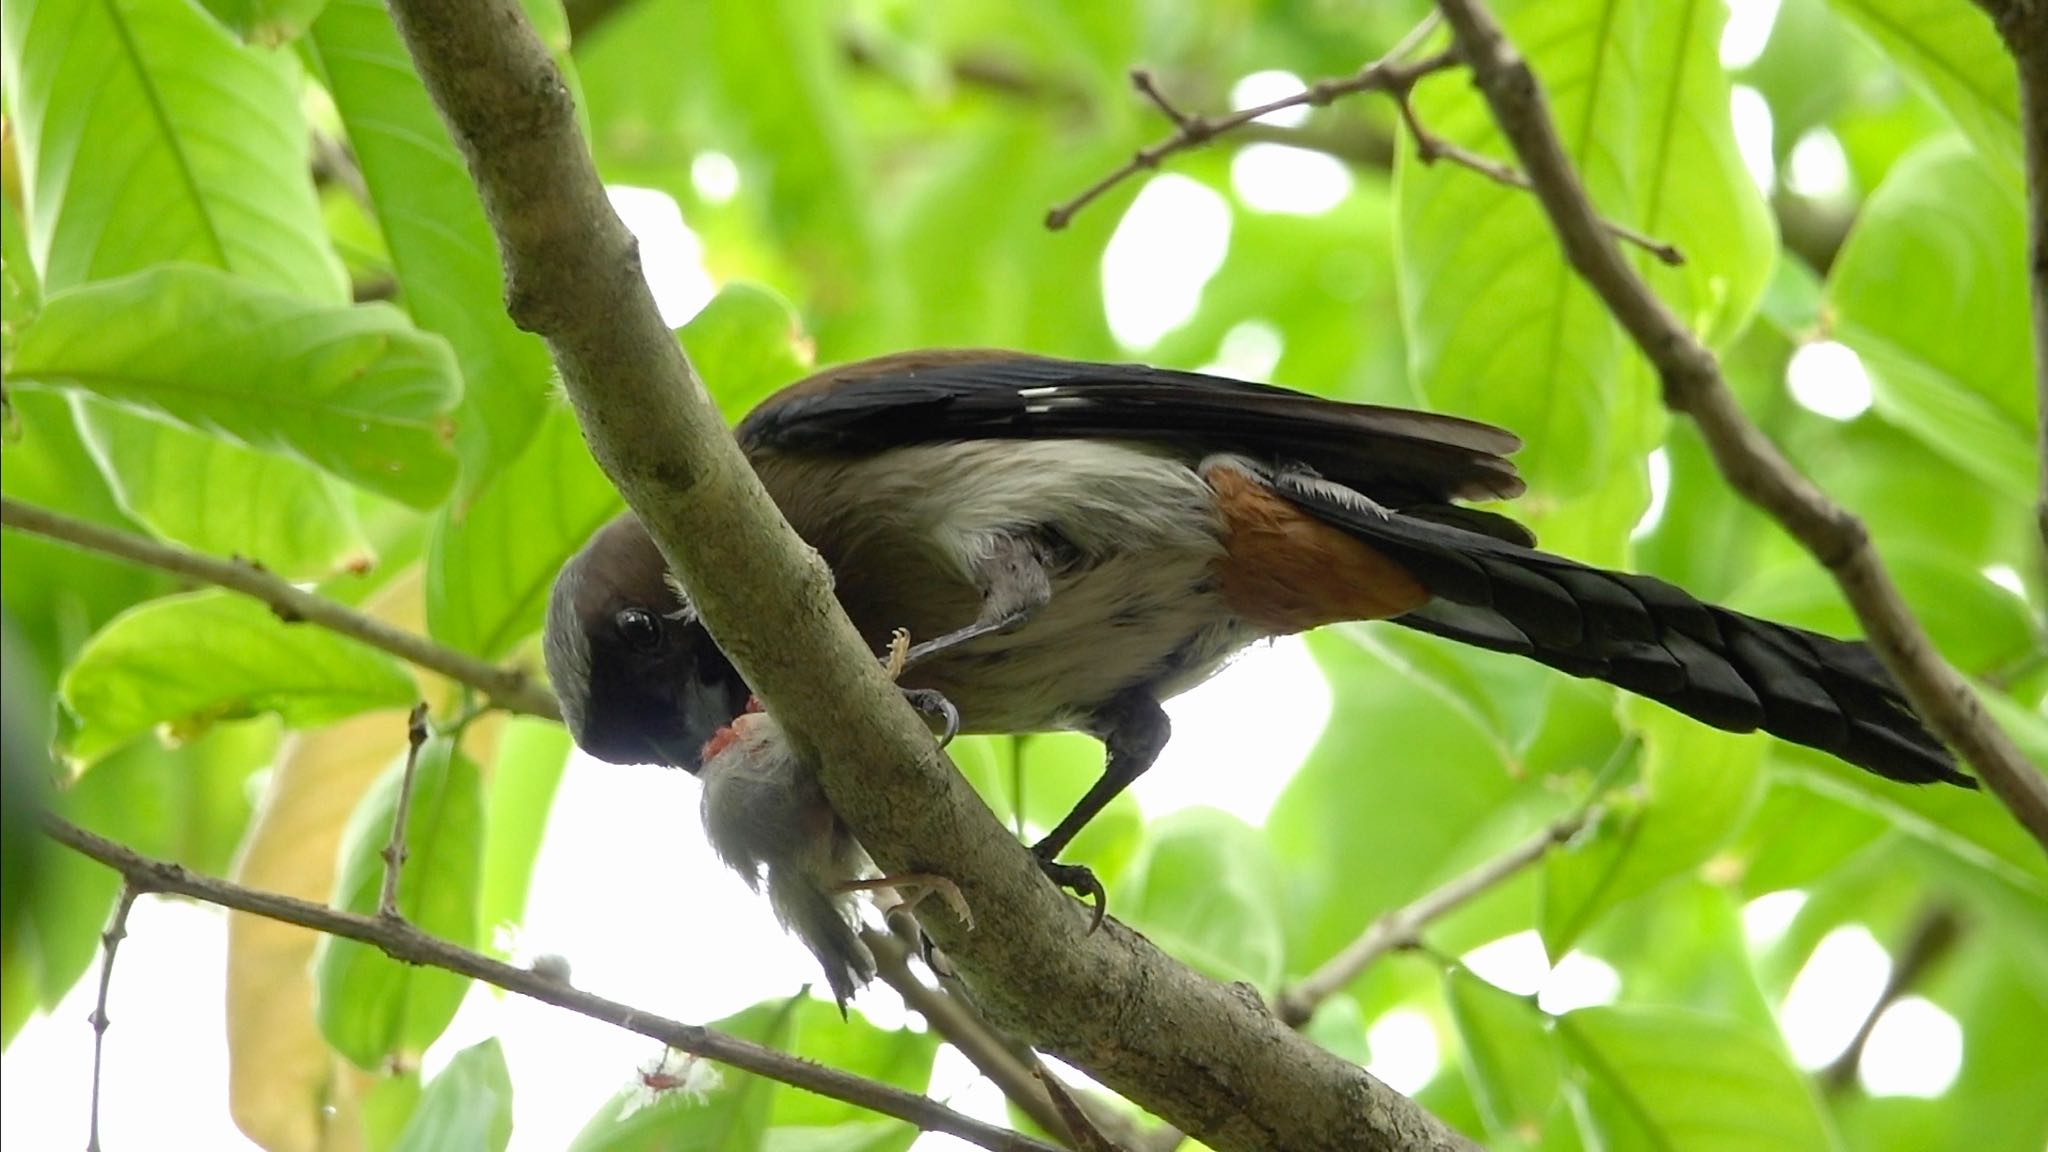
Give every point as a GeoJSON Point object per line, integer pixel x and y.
{"type": "Point", "coordinates": [641, 628]}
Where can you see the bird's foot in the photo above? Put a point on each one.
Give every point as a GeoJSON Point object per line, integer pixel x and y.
{"type": "Point", "coordinates": [1079, 880]}
{"type": "Point", "coordinates": [912, 888]}
{"type": "Point", "coordinates": [931, 703]}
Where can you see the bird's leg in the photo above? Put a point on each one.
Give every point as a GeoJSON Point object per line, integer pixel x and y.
{"type": "Point", "coordinates": [1133, 729]}
{"type": "Point", "coordinates": [1014, 584]}
{"type": "Point", "coordinates": [912, 888]}
{"type": "Point", "coordinates": [927, 701]}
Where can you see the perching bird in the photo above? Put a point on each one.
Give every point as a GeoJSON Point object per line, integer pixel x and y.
{"type": "Point", "coordinates": [767, 818]}
{"type": "Point", "coordinates": [1082, 541]}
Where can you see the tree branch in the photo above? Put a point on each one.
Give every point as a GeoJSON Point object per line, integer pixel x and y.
{"type": "Point", "coordinates": [110, 942]}
{"type": "Point", "coordinates": [507, 688]}
{"type": "Point", "coordinates": [403, 942]}
{"type": "Point", "coordinates": [1190, 1051]}
{"type": "Point", "coordinates": [394, 851]}
{"type": "Point", "coordinates": [1753, 465]}
{"type": "Point", "coordinates": [1403, 926]}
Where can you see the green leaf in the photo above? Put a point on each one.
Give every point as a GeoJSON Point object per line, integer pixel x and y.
{"type": "Point", "coordinates": [1031, 782]}
{"type": "Point", "coordinates": [267, 23]}
{"type": "Point", "coordinates": [185, 662]}
{"type": "Point", "coordinates": [468, 1106]}
{"type": "Point", "coordinates": [1699, 785]}
{"type": "Point", "coordinates": [900, 1058]}
{"type": "Point", "coordinates": [370, 1007]}
{"type": "Point", "coordinates": [1205, 889]}
{"type": "Point", "coordinates": [1509, 1054]}
{"type": "Point", "coordinates": [355, 390]}
{"type": "Point", "coordinates": [489, 568]}
{"type": "Point", "coordinates": [1499, 327]}
{"type": "Point", "coordinates": [730, 1115]}
{"type": "Point", "coordinates": [745, 344]}
{"type": "Point", "coordinates": [1944, 223]}
{"type": "Point", "coordinates": [221, 498]}
{"type": "Point", "coordinates": [531, 756]}
{"type": "Point", "coordinates": [1952, 52]}
{"type": "Point", "coordinates": [148, 135]}
{"type": "Point", "coordinates": [442, 252]}
{"type": "Point", "coordinates": [1677, 1080]}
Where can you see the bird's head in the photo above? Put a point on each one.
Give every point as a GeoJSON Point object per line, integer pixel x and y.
{"type": "Point", "coordinates": [639, 679]}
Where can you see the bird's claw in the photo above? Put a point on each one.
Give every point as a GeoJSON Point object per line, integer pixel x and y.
{"type": "Point", "coordinates": [934, 704]}
{"type": "Point", "coordinates": [1081, 881]}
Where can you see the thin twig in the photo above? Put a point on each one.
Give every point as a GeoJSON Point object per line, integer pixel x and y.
{"type": "Point", "coordinates": [1081, 1131]}
{"type": "Point", "coordinates": [1753, 465]}
{"type": "Point", "coordinates": [403, 942]}
{"type": "Point", "coordinates": [394, 851]}
{"type": "Point", "coordinates": [1388, 74]}
{"type": "Point", "coordinates": [507, 688]}
{"type": "Point", "coordinates": [1933, 936]}
{"type": "Point", "coordinates": [1403, 926]}
{"type": "Point", "coordinates": [962, 1027]}
{"type": "Point", "coordinates": [110, 941]}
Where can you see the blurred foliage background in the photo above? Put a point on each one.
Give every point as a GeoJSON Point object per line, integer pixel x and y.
{"type": "Point", "coordinates": [252, 306]}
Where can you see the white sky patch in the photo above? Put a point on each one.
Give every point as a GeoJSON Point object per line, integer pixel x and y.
{"type": "Point", "coordinates": [1579, 981]}
{"type": "Point", "coordinates": [1915, 1049]}
{"type": "Point", "coordinates": [1266, 87]}
{"type": "Point", "coordinates": [1659, 465]}
{"type": "Point", "coordinates": [1832, 994]}
{"type": "Point", "coordinates": [1249, 351]}
{"type": "Point", "coordinates": [1238, 739]}
{"type": "Point", "coordinates": [1747, 32]}
{"type": "Point", "coordinates": [1828, 378]}
{"type": "Point", "coordinates": [1168, 245]}
{"type": "Point", "coordinates": [1818, 168]}
{"type": "Point", "coordinates": [715, 177]}
{"type": "Point", "coordinates": [1752, 118]}
{"type": "Point", "coordinates": [1405, 1053]}
{"type": "Point", "coordinates": [1766, 918]}
{"type": "Point", "coordinates": [1514, 963]}
{"type": "Point", "coordinates": [671, 256]}
{"type": "Point", "coordinates": [1295, 181]}
{"type": "Point", "coordinates": [2006, 577]}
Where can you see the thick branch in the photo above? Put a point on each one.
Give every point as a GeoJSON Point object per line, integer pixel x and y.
{"type": "Point", "coordinates": [403, 942]}
{"type": "Point", "coordinates": [507, 688]}
{"type": "Point", "coordinates": [1693, 385]}
{"type": "Point", "coordinates": [1211, 1062]}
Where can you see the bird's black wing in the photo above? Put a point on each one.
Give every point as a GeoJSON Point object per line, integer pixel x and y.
{"type": "Point", "coordinates": [1396, 456]}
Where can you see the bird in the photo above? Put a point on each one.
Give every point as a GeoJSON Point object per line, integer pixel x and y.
{"type": "Point", "coordinates": [767, 818]}
{"type": "Point", "coordinates": [1078, 542]}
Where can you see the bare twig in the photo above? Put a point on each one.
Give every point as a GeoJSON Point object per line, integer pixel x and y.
{"type": "Point", "coordinates": [2025, 29]}
{"type": "Point", "coordinates": [1081, 1131]}
{"type": "Point", "coordinates": [1388, 74]}
{"type": "Point", "coordinates": [962, 1027]}
{"type": "Point", "coordinates": [1753, 465]}
{"type": "Point", "coordinates": [1932, 937]}
{"type": "Point", "coordinates": [110, 942]}
{"type": "Point", "coordinates": [1403, 926]}
{"type": "Point", "coordinates": [394, 850]}
{"type": "Point", "coordinates": [507, 688]}
{"type": "Point", "coordinates": [401, 941]}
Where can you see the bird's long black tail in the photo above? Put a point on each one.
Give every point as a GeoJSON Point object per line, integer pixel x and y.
{"type": "Point", "coordinates": [1654, 639]}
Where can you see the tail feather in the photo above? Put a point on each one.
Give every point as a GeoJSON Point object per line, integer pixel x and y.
{"type": "Point", "coordinates": [1721, 667]}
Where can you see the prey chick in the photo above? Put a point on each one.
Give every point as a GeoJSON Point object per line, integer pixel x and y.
{"type": "Point", "coordinates": [767, 818]}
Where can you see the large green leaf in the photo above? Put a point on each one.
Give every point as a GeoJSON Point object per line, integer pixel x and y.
{"type": "Point", "coordinates": [1677, 1080]}
{"type": "Point", "coordinates": [1499, 327]}
{"type": "Point", "coordinates": [185, 662]}
{"type": "Point", "coordinates": [442, 252]}
{"type": "Point", "coordinates": [1698, 787]}
{"type": "Point", "coordinates": [1204, 888]}
{"type": "Point", "coordinates": [371, 1007]}
{"type": "Point", "coordinates": [467, 1107]}
{"type": "Point", "coordinates": [730, 1113]}
{"type": "Point", "coordinates": [1952, 52]}
{"type": "Point", "coordinates": [531, 756]}
{"type": "Point", "coordinates": [147, 134]}
{"type": "Point", "coordinates": [1938, 251]}
{"type": "Point", "coordinates": [1509, 1054]}
{"type": "Point", "coordinates": [355, 390]}
{"type": "Point", "coordinates": [265, 22]}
